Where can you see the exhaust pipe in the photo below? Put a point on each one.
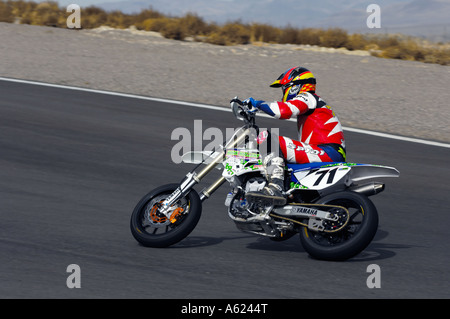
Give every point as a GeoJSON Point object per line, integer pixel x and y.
{"type": "Point", "coordinates": [368, 189]}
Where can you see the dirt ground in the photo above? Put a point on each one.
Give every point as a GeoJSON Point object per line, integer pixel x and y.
{"type": "Point", "coordinates": [401, 97]}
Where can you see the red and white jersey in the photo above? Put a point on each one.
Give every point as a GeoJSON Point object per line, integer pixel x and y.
{"type": "Point", "coordinates": [318, 128]}
{"type": "Point", "coordinates": [317, 123]}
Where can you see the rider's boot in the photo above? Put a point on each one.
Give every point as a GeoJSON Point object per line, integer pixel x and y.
{"type": "Point", "coordinates": [274, 192]}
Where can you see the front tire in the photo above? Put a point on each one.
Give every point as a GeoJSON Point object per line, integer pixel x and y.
{"type": "Point", "coordinates": [152, 229]}
{"type": "Point", "coordinates": [351, 240]}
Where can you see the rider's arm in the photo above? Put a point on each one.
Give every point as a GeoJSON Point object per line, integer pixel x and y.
{"type": "Point", "coordinates": [301, 104]}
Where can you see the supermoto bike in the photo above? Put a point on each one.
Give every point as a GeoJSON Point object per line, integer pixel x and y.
{"type": "Point", "coordinates": [327, 203]}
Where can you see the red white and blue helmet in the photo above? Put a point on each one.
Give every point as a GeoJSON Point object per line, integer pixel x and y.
{"type": "Point", "coordinates": [295, 81]}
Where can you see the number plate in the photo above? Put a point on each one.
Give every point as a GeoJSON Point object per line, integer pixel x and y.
{"type": "Point", "coordinates": [320, 178]}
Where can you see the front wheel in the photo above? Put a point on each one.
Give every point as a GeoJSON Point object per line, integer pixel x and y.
{"type": "Point", "coordinates": [353, 238]}
{"type": "Point", "coordinates": [152, 229]}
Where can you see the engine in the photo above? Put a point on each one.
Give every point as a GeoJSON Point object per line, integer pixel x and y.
{"type": "Point", "coordinates": [250, 217]}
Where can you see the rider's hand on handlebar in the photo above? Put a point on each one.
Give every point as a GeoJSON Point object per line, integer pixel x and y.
{"type": "Point", "coordinates": [236, 100]}
{"type": "Point", "coordinates": [252, 102]}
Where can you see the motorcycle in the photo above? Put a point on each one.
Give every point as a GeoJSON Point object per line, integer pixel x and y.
{"type": "Point", "coordinates": [328, 204]}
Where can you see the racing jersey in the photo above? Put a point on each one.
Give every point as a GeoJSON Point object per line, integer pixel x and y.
{"type": "Point", "coordinates": [317, 125]}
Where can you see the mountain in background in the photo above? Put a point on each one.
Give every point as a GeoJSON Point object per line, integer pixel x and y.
{"type": "Point", "coordinates": [423, 18]}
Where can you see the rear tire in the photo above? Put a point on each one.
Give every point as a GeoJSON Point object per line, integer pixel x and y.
{"type": "Point", "coordinates": [351, 240]}
{"type": "Point", "coordinates": [152, 229]}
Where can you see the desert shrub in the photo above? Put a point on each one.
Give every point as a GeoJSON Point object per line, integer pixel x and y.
{"type": "Point", "coordinates": [386, 41]}
{"type": "Point", "coordinates": [230, 34]}
{"type": "Point", "coordinates": [356, 42]}
{"type": "Point", "coordinates": [154, 24]}
{"type": "Point", "coordinates": [6, 12]}
{"type": "Point", "coordinates": [117, 19]}
{"type": "Point", "coordinates": [168, 27]}
{"type": "Point", "coordinates": [47, 14]}
{"type": "Point", "coordinates": [264, 33]}
{"type": "Point", "coordinates": [173, 29]}
{"type": "Point", "coordinates": [176, 28]}
{"type": "Point", "coordinates": [288, 34]}
{"type": "Point", "coordinates": [334, 38]}
{"type": "Point", "coordinates": [19, 7]}
{"type": "Point", "coordinates": [393, 48]}
{"type": "Point", "coordinates": [93, 17]}
{"type": "Point", "coordinates": [409, 49]}
{"type": "Point", "coordinates": [148, 14]}
{"type": "Point", "coordinates": [22, 9]}
{"type": "Point", "coordinates": [236, 33]}
{"type": "Point", "coordinates": [390, 53]}
{"type": "Point", "coordinates": [412, 51]}
{"type": "Point", "coordinates": [438, 56]}
{"type": "Point", "coordinates": [193, 25]}
{"type": "Point", "coordinates": [216, 38]}
{"type": "Point", "coordinates": [309, 36]}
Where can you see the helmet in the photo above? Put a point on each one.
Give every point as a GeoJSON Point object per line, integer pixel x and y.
{"type": "Point", "coordinates": [295, 81]}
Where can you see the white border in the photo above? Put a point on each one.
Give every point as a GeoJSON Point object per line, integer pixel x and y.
{"type": "Point", "coordinates": [216, 108]}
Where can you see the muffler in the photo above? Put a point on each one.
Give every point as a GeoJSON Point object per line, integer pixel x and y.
{"type": "Point", "coordinates": [368, 189]}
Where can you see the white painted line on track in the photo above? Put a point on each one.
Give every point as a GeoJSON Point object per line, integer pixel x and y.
{"type": "Point", "coordinates": [216, 108]}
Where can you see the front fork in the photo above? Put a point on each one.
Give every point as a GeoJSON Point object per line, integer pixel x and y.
{"type": "Point", "coordinates": [185, 187]}
{"type": "Point", "coordinates": [193, 178]}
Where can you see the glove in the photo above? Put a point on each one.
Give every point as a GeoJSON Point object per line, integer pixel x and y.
{"type": "Point", "coordinates": [255, 103]}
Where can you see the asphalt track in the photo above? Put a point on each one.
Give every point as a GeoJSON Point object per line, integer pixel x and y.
{"type": "Point", "coordinates": [73, 165]}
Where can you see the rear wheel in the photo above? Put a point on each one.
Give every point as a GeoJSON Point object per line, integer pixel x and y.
{"type": "Point", "coordinates": [353, 238]}
{"type": "Point", "coordinates": [153, 229]}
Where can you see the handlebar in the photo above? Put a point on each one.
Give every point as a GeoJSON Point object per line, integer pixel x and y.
{"type": "Point", "coordinates": [236, 100]}
{"type": "Point", "coordinates": [243, 110]}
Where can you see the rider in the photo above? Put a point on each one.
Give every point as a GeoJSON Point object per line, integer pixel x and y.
{"type": "Point", "coordinates": [320, 139]}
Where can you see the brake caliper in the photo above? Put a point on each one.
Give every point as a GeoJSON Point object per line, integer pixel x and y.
{"type": "Point", "coordinates": [175, 214]}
